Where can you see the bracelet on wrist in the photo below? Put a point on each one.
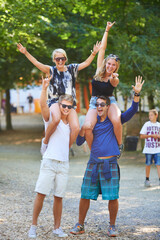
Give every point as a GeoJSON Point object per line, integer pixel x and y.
{"type": "Point", "coordinates": [136, 94]}
{"type": "Point", "coordinates": [94, 54]}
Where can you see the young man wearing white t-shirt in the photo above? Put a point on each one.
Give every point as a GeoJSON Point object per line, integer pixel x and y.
{"type": "Point", "coordinates": [55, 163]}
{"type": "Point", "coordinates": [151, 133]}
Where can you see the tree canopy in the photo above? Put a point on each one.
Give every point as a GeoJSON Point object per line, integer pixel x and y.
{"type": "Point", "coordinates": [43, 25]}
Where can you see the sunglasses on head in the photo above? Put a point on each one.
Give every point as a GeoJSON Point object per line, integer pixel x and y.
{"type": "Point", "coordinates": [100, 104]}
{"type": "Point", "coordinates": [66, 106]}
{"type": "Point", "coordinates": [114, 56]}
{"type": "Point", "coordinates": [60, 58]}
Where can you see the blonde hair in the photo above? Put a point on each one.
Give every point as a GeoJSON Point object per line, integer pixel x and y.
{"type": "Point", "coordinates": [66, 97]}
{"type": "Point", "coordinates": [154, 111]}
{"type": "Point", "coordinates": [102, 70]}
{"type": "Point", "coordinates": [59, 50]}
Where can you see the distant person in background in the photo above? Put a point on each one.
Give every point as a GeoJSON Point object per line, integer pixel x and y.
{"type": "Point", "coordinates": [151, 133]}
{"type": "Point", "coordinates": [3, 106]}
{"type": "Point", "coordinates": [30, 102]}
{"type": "Point", "coordinates": [81, 122]}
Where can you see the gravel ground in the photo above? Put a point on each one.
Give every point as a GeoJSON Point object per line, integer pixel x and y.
{"type": "Point", "coordinates": [139, 207]}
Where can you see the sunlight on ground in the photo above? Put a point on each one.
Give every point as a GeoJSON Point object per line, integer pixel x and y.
{"type": "Point", "coordinates": [2, 220]}
{"type": "Point", "coordinates": [147, 230]}
{"type": "Point", "coordinates": [149, 189]}
{"type": "Point", "coordinates": [27, 141]}
{"type": "Point", "coordinates": [70, 195]}
{"type": "Point", "coordinates": [81, 176]}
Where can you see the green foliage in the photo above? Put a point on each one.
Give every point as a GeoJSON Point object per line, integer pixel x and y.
{"type": "Point", "coordinates": [43, 25]}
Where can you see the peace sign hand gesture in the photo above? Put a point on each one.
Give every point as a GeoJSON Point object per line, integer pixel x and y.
{"type": "Point", "coordinates": [45, 82]}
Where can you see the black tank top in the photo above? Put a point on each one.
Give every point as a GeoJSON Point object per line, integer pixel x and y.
{"type": "Point", "coordinates": [102, 88]}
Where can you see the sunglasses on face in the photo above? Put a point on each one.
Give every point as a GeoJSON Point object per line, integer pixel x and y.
{"type": "Point", "coordinates": [66, 106]}
{"type": "Point", "coordinates": [100, 104]}
{"type": "Point", "coordinates": [60, 58]}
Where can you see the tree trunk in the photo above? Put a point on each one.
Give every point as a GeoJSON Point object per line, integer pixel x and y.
{"type": "Point", "coordinates": [151, 101]}
{"type": "Point", "coordinates": [8, 111]}
{"type": "Point", "coordinates": [0, 109]}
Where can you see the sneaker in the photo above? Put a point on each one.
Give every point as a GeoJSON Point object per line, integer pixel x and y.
{"type": "Point", "coordinates": [147, 183]}
{"type": "Point", "coordinates": [78, 229]}
{"type": "Point", "coordinates": [121, 147]}
{"type": "Point", "coordinates": [32, 232]}
{"type": "Point", "coordinates": [43, 147]}
{"type": "Point", "coordinates": [112, 231]}
{"type": "Point", "coordinates": [59, 232]}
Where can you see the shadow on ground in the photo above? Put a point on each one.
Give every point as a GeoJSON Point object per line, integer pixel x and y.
{"type": "Point", "coordinates": [139, 207]}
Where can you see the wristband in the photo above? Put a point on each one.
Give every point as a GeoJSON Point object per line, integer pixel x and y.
{"type": "Point", "coordinates": [136, 94]}
{"type": "Point", "coordinates": [94, 54]}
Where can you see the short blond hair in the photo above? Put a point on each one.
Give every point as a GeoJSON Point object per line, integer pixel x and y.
{"type": "Point", "coordinates": [66, 97]}
{"type": "Point", "coordinates": [154, 111]}
{"type": "Point", "coordinates": [59, 50]}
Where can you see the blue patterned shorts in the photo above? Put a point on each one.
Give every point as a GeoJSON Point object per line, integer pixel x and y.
{"type": "Point", "coordinates": [108, 188]}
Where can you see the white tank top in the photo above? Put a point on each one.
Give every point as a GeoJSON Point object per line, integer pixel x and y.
{"type": "Point", "coordinates": [58, 145]}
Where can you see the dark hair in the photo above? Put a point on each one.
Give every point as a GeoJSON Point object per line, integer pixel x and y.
{"type": "Point", "coordinates": [104, 98]}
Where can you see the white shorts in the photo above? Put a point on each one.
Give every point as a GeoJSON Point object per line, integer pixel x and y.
{"type": "Point", "coordinates": [53, 176]}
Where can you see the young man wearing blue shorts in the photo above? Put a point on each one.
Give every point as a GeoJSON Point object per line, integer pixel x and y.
{"type": "Point", "coordinates": [151, 133]}
{"type": "Point", "coordinates": [102, 172]}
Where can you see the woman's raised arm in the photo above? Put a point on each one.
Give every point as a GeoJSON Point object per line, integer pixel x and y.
{"type": "Point", "coordinates": [42, 67]}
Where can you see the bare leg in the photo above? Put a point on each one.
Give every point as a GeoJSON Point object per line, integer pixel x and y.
{"type": "Point", "coordinates": [83, 209]}
{"type": "Point", "coordinates": [74, 125]}
{"type": "Point", "coordinates": [114, 115]}
{"type": "Point", "coordinates": [38, 204]}
{"type": "Point", "coordinates": [148, 170]}
{"type": "Point", "coordinates": [56, 115]}
{"type": "Point", "coordinates": [57, 211]}
{"type": "Point", "coordinates": [90, 122]}
{"type": "Point", "coordinates": [85, 147]}
{"type": "Point", "coordinates": [113, 210]}
{"type": "Point", "coordinates": [158, 170]}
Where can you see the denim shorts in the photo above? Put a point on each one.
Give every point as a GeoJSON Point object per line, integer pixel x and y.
{"type": "Point", "coordinates": [108, 188]}
{"type": "Point", "coordinates": [151, 157]}
{"type": "Point", "coordinates": [93, 101]}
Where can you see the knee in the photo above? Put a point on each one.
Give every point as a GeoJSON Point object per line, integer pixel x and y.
{"type": "Point", "coordinates": [41, 196]}
{"type": "Point", "coordinates": [88, 126]}
{"type": "Point", "coordinates": [55, 121]}
{"type": "Point", "coordinates": [75, 128]}
{"type": "Point", "coordinates": [116, 122]}
{"type": "Point", "coordinates": [58, 198]}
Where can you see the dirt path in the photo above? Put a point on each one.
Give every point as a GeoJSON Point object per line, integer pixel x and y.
{"type": "Point", "coordinates": [139, 207]}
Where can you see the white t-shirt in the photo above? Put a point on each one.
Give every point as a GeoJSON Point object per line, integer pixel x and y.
{"type": "Point", "coordinates": [58, 145]}
{"type": "Point", "coordinates": [152, 145]}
